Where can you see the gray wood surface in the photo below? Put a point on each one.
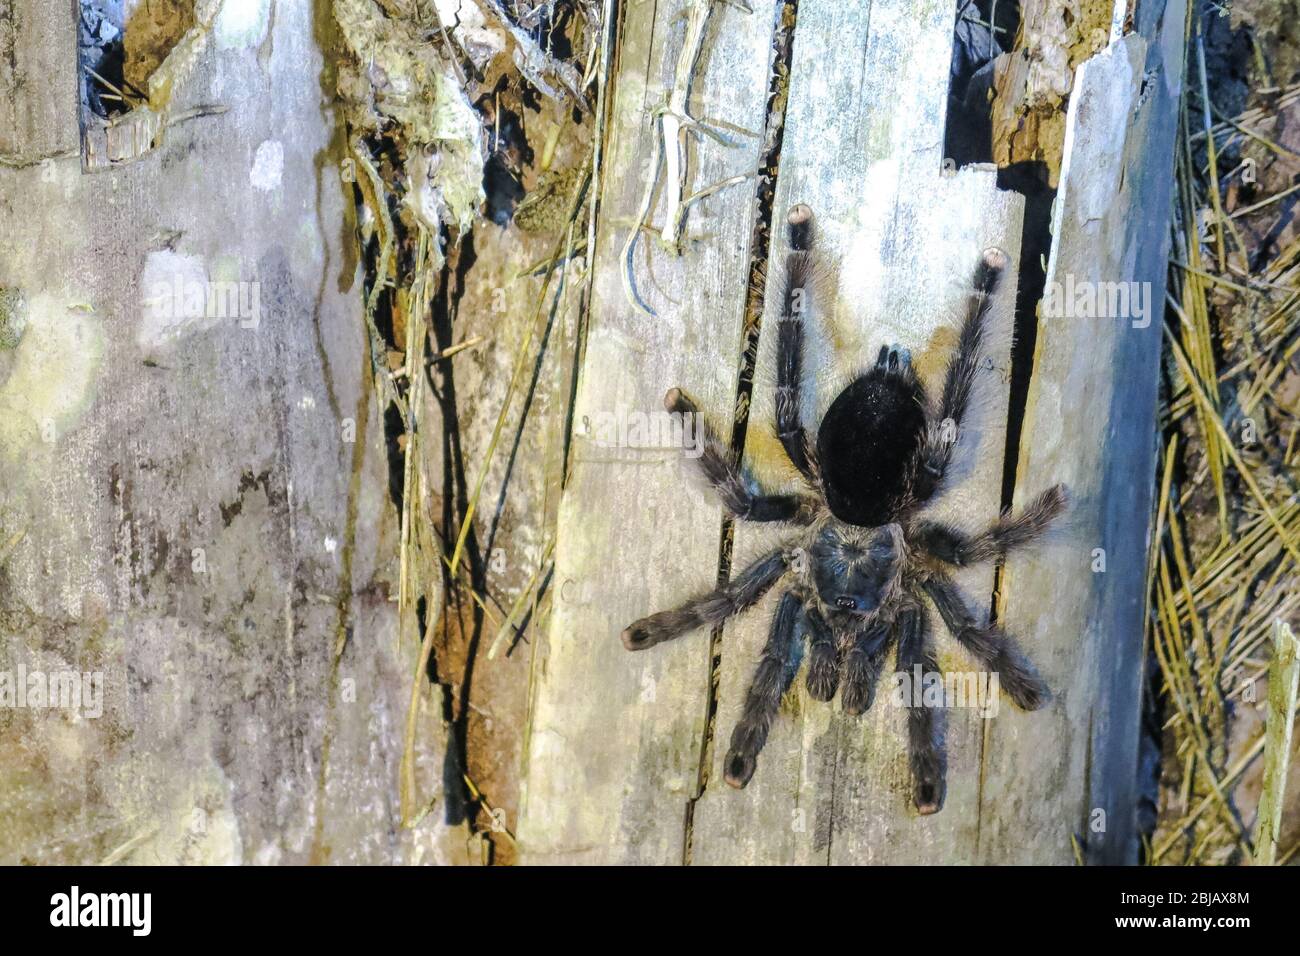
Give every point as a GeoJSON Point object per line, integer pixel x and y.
{"type": "Point", "coordinates": [196, 509]}
{"type": "Point", "coordinates": [38, 50]}
{"type": "Point", "coordinates": [623, 765]}
{"type": "Point", "coordinates": [614, 740]}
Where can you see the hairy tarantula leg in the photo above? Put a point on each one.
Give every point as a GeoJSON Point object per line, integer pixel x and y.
{"type": "Point", "coordinates": [941, 434]}
{"type": "Point", "coordinates": [823, 663]}
{"type": "Point", "coordinates": [795, 296]}
{"type": "Point", "coordinates": [739, 593]}
{"type": "Point", "coordinates": [862, 666]}
{"type": "Point", "coordinates": [1009, 532]}
{"type": "Point", "coordinates": [722, 471]}
{"type": "Point", "coordinates": [925, 752]}
{"type": "Point", "coordinates": [924, 748]}
{"type": "Point", "coordinates": [776, 669]}
{"type": "Point", "coordinates": [988, 645]}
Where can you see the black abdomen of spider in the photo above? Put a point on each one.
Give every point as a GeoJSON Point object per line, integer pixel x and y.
{"type": "Point", "coordinates": [867, 440]}
{"type": "Point", "coordinates": [863, 564]}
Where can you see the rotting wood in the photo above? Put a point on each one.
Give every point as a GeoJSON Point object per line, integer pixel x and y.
{"type": "Point", "coordinates": [1034, 81]}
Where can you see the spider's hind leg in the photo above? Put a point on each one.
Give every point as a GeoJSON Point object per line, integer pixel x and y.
{"type": "Point", "coordinates": [1008, 532]}
{"type": "Point", "coordinates": [711, 609]}
{"type": "Point", "coordinates": [776, 669]}
{"type": "Point", "coordinates": [988, 645]}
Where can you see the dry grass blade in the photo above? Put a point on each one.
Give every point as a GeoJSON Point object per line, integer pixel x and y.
{"type": "Point", "coordinates": [1288, 540]}
{"type": "Point", "coordinates": [406, 772]}
{"type": "Point", "coordinates": [1227, 534]}
{"type": "Point", "coordinates": [516, 376]}
{"type": "Point", "coordinates": [520, 602]}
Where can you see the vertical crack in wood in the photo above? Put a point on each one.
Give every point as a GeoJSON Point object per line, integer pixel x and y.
{"type": "Point", "coordinates": [760, 242]}
{"type": "Point", "coordinates": [606, 53]}
{"type": "Point", "coordinates": [1087, 788]}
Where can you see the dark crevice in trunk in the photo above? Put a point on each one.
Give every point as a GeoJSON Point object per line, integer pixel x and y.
{"type": "Point", "coordinates": [1035, 246]}
{"type": "Point", "coordinates": [760, 243]}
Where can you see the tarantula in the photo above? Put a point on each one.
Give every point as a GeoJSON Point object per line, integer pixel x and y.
{"type": "Point", "coordinates": [865, 555]}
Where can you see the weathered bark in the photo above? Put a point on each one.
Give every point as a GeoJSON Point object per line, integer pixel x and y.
{"type": "Point", "coordinates": [1089, 422]}
{"type": "Point", "coordinates": [193, 506]}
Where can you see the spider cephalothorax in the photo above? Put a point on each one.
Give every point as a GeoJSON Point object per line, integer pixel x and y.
{"type": "Point", "coordinates": [865, 561]}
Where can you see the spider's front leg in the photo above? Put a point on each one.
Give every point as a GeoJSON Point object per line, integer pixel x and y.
{"type": "Point", "coordinates": [796, 295]}
{"type": "Point", "coordinates": [776, 669]}
{"type": "Point", "coordinates": [724, 473]}
{"type": "Point", "coordinates": [710, 609]}
{"type": "Point", "coordinates": [935, 452]}
{"type": "Point", "coordinates": [988, 645]}
{"type": "Point", "coordinates": [925, 750]}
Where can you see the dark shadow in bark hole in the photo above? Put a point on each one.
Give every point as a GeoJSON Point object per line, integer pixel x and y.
{"type": "Point", "coordinates": [508, 155]}
{"type": "Point", "coordinates": [119, 47]}
{"type": "Point", "coordinates": [394, 424]}
{"type": "Point", "coordinates": [1030, 180]}
{"type": "Point", "coordinates": [394, 429]}
{"type": "Point", "coordinates": [977, 43]}
{"type": "Point", "coordinates": [101, 47]}
{"type": "Point", "coordinates": [983, 31]}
